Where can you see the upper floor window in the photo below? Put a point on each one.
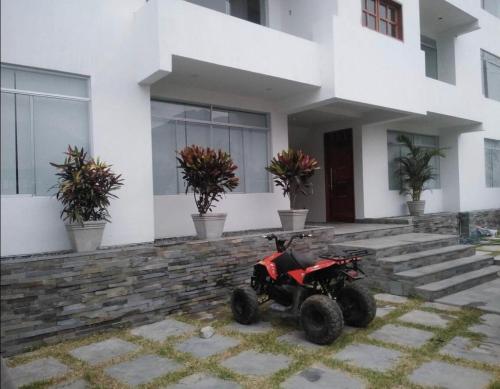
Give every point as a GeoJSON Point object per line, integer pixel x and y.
{"type": "Point", "coordinates": [42, 113]}
{"type": "Point", "coordinates": [491, 75]}
{"type": "Point", "coordinates": [251, 10]}
{"type": "Point", "coordinates": [429, 47]}
{"type": "Point", "coordinates": [397, 149]}
{"type": "Point", "coordinates": [384, 16]}
{"type": "Point", "coordinates": [492, 6]}
{"type": "Point", "coordinates": [243, 134]}
{"type": "Point", "coordinates": [492, 162]}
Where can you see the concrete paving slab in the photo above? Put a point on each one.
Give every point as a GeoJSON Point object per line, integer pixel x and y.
{"type": "Point", "coordinates": [430, 319]}
{"type": "Point", "coordinates": [320, 377]}
{"type": "Point", "coordinates": [444, 375]}
{"type": "Point", "coordinates": [256, 328]}
{"type": "Point", "coordinates": [489, 327]}
{"type": "Point", "coordinates": [490, 248]}
{"type": "Point", "coordinates": [384, 311]}
{"type": "Point", "coordinates": [38, 370]}
{"type": "Point", "coordinates": [78, 384]}
{"type": "Point", "coordinates": [391, 298]}
{"type": "Point", "coordinates": [161, 330]}
{"type": "Point", "coordinates": [203, 348]}
{"type": "Point", "coordinates": [204, 381]}
{"type": "Point", "coordinates": [142, 370]}
{"type": "Point", "coordinates": [257, 364]}
{"type": "Point", "coordinates": [465, 348]}
{"type": "Point", "coordinates": [371, 357]}
{"type": "Point", "coordinates": [100, 352]}
{"type": "Point", "coordinates": [404, 336]}
{"type": "Point", "coordinates": [484, 297]}
{"type": "Point", "coordinates": [298, 338]}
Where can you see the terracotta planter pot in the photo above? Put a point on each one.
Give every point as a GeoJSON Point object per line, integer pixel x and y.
{"type": "Point", "coordinates": [209, 226]}
{"type": "Point", "coordinates": [293, 219]}
{"type": "Point", "coordinates": [416, 208]}
{"type": "Point", "coordinates": [87, 236]}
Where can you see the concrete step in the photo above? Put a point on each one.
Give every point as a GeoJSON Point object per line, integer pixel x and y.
{"type": "Point", "coordinates": [440, 271]}
{"type": "Point", "coordinates": [457, 283]}
{"type": "Point", "coordinates": [349, 232]}
{"type": "Point", "coordinates": [404, 262]}
{"type": "Point", "coordinates": [398, 244]}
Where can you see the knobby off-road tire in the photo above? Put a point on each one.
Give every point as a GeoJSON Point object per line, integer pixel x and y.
{"type": "Point", "coordinates": [357, 304]}
{"type": "Point", "coordinates": [244, 305]}
{"type": "Point", "coordinates": [321, 318]}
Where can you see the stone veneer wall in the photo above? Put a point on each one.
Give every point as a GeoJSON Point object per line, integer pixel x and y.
{"type": "Point", "coordinates": [485, 218]}
{"type": "Point", "coordinates": [48, 298]}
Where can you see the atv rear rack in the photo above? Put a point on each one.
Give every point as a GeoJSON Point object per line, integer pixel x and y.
{"type": "Point", "coordinates": [348, 254]}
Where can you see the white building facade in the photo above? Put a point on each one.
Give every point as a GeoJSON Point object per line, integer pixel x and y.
{"type": "Point", "coordinates": [133, 81]}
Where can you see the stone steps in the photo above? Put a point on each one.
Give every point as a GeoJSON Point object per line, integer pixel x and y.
{"type": "Point", "coordinates": [397, 244]}
{"type": "Point", "coordinates": [440, 271]}
{"type": "Point", "coordinates": [438, 289]}
{"type": "Point", "coordinates": [404, 262]}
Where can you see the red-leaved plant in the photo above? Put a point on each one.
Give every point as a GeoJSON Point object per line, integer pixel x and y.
{"type": "Point", "coordinates": [208, 173]}
{"type": "Point", "coordinates": [292, 171]}
{"type": "Point", "coordinates": [84, 187]}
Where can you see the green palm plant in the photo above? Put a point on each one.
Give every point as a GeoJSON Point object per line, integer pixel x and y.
{"type": "Point", "coordinates": [415, 167]}
{"type": "Point", "coordinates": [292, 171]}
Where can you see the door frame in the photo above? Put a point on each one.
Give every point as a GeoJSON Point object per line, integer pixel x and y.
{"type": "Point", "coordinates": [328, 189]}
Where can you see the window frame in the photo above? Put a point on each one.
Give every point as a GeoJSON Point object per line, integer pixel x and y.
{"type": "Point", "coordinates": [398, 23]}
{"type": "Point", "coordinates": [31, 93]}
{"type": "Point", "coordinates": [487, 57]}
{"type": "Point", "coordinates": [483, 6]}
{"type": "Point", "coordinates": [430, 44]}
{"type": "Point", "coordinates": [212, 123]}
{"type": "Point", "coordinates": [490, 144]}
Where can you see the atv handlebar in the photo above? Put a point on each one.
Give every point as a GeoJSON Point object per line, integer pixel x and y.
{"type": "Point", "coordinates": [282, 244]}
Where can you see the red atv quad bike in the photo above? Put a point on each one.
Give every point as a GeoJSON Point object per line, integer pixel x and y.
{"type": "Point", "coordinates": [319, 292]}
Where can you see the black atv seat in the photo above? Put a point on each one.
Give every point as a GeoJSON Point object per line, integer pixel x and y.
{"type": "Point", "coordinates": [305, 260]}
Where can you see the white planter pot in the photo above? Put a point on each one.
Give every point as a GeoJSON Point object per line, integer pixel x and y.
{"type": "Point", "coordinates": [87, 236]}
{"type": "Point", "coordinates": [293, 219]}
{"type": "Point", "coordinates": [416, 208]}
{"type": "Point", "coordinates": [209, 226]}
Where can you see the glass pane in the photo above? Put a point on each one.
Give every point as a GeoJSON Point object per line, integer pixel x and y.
{"type": "Point", "coordinates": [248, 119]}
{"type": "Point", "coordinates": [425, 140]}
{"type": "Point", "coordinates": [246, 9]}
{"type": "Point", "coordinates": [164, 158]}
{"type": "Point", "coordinates": [161, 109]}
{"type": "Point", "coordinates": [394, 151]}
{"type": "Point", "coordinates": [383, 27]}
{"type": "Point", "coordinates": [198, 134]}
{"type": "Point", "coordinates": [198, 113]}
{"type": "Point", "coordinates": [392, 136]}
{"type": "Point", "coordinates": [25, 162]}
{"type": "Point", "coordinates": [51, 83]}
{"type": "Point", "coordinates": [393, 30]}
{"type": "Point", "coordinates": [8, 144]}
{"type": "Point", "coordinates": [370, 6]}
{"type": "Point", "coordinates": [495, 162]}
{"type": "Point", "coordinates": [391, 14]}
{"type": "Point", "coordinates": [216, 5]}
{"type": "Point", "coordinates": [371, 22]}
{"type": "Point", "coordinates": [236, 149]}
{"type": "Point", "coordinates": [493, 81]}
{"type": "Point", "coordinates": [220, 116]}
{"type": "Point", "coordinates": [431, 62]}
{"type": "Point", "coordinates": [256, 178]}
{"type": "Point", "coordinates": [7, 78]}
{"type": "Point", "coordinates": [492, 6]}
{"type": "Point", "coordinates": [57, 124]}
{"type": "Point", "coordinates": [382, 11]}
{"type": "Point", "coordinates": [220, 138]}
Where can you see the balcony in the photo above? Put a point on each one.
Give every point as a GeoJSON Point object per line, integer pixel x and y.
{"type": "Point", "coordinates": [192, 44]}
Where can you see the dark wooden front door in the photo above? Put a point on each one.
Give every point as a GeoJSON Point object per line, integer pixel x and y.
{"type": "Point", "coordinates": [339, 176]}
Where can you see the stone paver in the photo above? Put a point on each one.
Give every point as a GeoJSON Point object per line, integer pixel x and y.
{"type": "Point", "coordinates": [298, 338]}
{"type": "Point", "coordinates": [444, 375]}
{"type": "Point", "coordinates": [38, 370]}
{"type": "Point", "coordinates": [257, 364]}
{"type": "Point", "coordinates": [489, 327]}
{"type": "Point", "coordinates": [78, 384]}
{"type": "Point", "coordinates": [404, 336]}
{"type": "Point", "coordinates": [484, 297]}
{"type": "Point", "coordinates": [460, 347]}
{"type": "Point", "coordinates": [441, 307]}
{"type": "Point", "coordinates": [142, 370]}
{"type": "Point", "coordinates": [489, 248]}
{"type": "Point", "coordinates": [430, 319]}
{"type": "Point", "coordinates": [391, 298]}
{"type": "Point", "coordinates": [384, 311]}
{"type": "Point", "coordinates": [369, 357]}
{"type": "Point", "coordinates": [321, 377]}
{"type": "Point", "coordinates": [100, 352]}
{"type": "Point", "coordinates": [204, 381]}
{"type": "Point", "coordinates": [161, 330]}
{"type": "Point", "coordinates": [203, 348]}
{"type": "Point", "coordinates": [257, 328]}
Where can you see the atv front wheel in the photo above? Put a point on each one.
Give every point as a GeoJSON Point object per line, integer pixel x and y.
{"type": "Point", "coordinates": [244, 305]}
{"type": "Point", "coordinates": [321, 318]}
{"type": "Point", "coordinates": [357, 304]}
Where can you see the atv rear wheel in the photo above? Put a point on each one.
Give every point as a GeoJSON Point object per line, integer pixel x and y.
{"type": "Point", "coordinates": [357, 304]}
{"type": "Point", "coordinates": [244, 305]}
{"type": "Point", "coordinates": [321, 318]}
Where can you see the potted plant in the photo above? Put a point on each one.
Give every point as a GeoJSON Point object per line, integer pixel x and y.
{"type": "Point", "coordinates": [208, 174]}
{"type": "Point", "coordinates": [415, 171]}
{"type": "Point", "coordinates": [292, 171]}
{"type": "Point", "coordinates": [84, 188]}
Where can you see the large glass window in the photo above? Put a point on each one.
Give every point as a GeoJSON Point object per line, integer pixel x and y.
{"type": "Point", "coordinates": [429, 47]}
{"type": "Point", "coordinates": [492, 6]}
{"type": "Point", "coordinates": [384, 16]}
{"type": "Point", "coordinates": [491, 75]}
{"type": "Point", "coordinates": [42, 113]}
{"type": "Point", "coordinates": [251, 10]}
{"type": "Point", "coordinates": [397, 149]}
{"type": "Point", "coordinates": [243, 134]}
{"type": "Point", "coordinates": [492, 162]}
